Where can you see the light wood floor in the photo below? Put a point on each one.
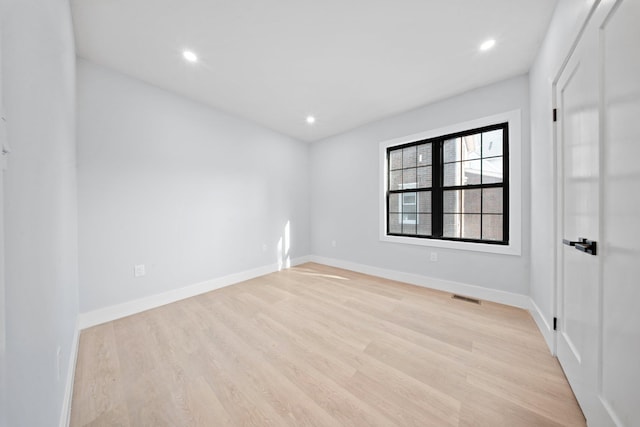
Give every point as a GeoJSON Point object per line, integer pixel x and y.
{"type": "Point", "coordinates": [319, 346]}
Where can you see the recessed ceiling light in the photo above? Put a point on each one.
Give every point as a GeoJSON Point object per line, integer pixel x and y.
{"type": "Point", "coordinates": [487, 44]}
{"type": "Point", "coordinates": [190, 56]}
{"type": "Point", "coordinates": [311, 120]}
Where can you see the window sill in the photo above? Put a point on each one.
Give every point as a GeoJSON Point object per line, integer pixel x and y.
{"type": "Point", "coordinates": [509, 249]}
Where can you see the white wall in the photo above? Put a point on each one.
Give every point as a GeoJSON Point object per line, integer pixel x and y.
{"type": "Point", "coordinates": [344, 188]}
{"type": "Point", "coordinates": [188, 191]}
{"type": "Point", "coordinates": [40, 209]}
{"type": "Point", "coordinates": [567, 20]}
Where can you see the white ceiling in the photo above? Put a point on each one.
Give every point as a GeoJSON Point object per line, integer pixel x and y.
{"type": "Point", "coordinates": [347, 62]}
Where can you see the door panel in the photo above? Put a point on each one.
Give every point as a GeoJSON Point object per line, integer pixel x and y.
{"type": "Point", "coordinates": [598, 97]}
{"type": "Point", "coordinates": [579, 200]}
{"type": "Point", "coordinates": [620, 378]}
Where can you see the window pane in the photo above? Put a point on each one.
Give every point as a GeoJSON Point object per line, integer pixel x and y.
{"type": "Point", "coordinates": [451, 201]}
{"type": "Point", "coordinates": [409, 223]}
{"type": "Point", "coordinates": [471, 172]}
{"type": "Point", "coordinates": [424, 177]}
{"type": "Point", "coordinates": [471, 146]}
{"type": "Point", "coordinates": [492, 227]}
{"type": "Point", "coordinates": [409, 157]}
{"type": "Point", "coordinates": [470, 201]}
{"type": "Point", "coordinates": [424, 225]}
{"type": "Point", "coordinates": [395, 180]}
{"type": "Point", "coordinates": [409, 202]}
{"type": "Point", "coordinates": [451, 225]}
{"type": "Point", "coordinates": [492, 170]}
{"type": "Point", "coordinates": [395, 225]}
{"type": "Point", "coordinates": [394, 203]}
{"type": "Point", "coordinates": [424, 154]}
{"type": "Point", "coordinates": [461, 201]}
{"type": "Point", "coordinates": [492, 143]}
{"type": "Point", "coordinates": [452, 174]}
{"type": "Point", "coordinates": [470, 226]}
{"type": "Point", "coordinates": [409, 179]}
{"type": "Point", "coordinates": [492, 200]}
{"type": "Point", "coordinates": [395, 159]}
{"type": "Point", "coordinates": [451, 150]}
{"type": "Point", "coordinates": [424, 201]}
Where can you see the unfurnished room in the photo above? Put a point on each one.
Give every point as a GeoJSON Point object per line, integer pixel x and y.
{"type": "Point", "coordinates": [319, 213]}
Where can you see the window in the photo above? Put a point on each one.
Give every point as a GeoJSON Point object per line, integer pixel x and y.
{"type": "Point", "coordinates": [451, 187]}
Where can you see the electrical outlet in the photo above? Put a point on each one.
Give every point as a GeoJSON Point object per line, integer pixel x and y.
{"type": "Point", "coordinates": [333, 243]}
{"type": "Point", "coordinates": [264, 247]}
{"type": "Point", "coordinates": [139, 270]}
{"type": "Point", "coordinates": [58, 363]}
{"type": "Point", "coordinates": [434, 256]}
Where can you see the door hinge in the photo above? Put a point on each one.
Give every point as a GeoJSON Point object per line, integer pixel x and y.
{"type": "Point", "coordinates": [555, 323]}
{"type": "Point", "coordinates": [4, 144]}
{"type": "Point", "coordinates": [555, 114]}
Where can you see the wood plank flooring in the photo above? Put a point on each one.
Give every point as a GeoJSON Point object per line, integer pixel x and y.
{"type": "Point", "coordinates": [320, 346]}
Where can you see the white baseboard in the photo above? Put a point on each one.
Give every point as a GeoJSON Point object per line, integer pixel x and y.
{"type": "Point", "coordinates": [107, 314]}
{"type": "Point", "coordinates": [65, 415]}
{"type": "Point", "coordinates": [545, 328]}
{"type": "Point", "coordinates": [487, 294]}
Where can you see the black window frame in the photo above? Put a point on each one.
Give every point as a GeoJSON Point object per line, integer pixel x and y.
{"type": "Point", "coordinates": [437, 188]}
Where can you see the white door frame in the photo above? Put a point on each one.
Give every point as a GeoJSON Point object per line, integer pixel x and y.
{"type": "Point", "coordinates": [4, 153]}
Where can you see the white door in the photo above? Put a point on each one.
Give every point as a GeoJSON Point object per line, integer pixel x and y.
{"type": "Point", "coordinates": [578, 136]}
{"type": "Point", "coordinates": [598, 129]}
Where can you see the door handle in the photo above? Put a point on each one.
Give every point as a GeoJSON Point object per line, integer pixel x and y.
{"type": "Point", "coordinates": [583, 245]}
{"type": "Point", "coordinates": [587, 246]}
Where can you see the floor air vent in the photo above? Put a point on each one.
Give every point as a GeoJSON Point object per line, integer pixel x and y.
{"type": "Point", "coordinates": [467, 299]}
